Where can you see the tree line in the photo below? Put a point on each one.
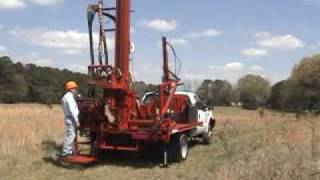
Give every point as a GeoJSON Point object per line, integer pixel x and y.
{"type": "Point", "coordinates": [30, 83]}
{"type": "Point", "coordinates": [300, 92]}
{"type": "Point", "coordinates": [250, 92]}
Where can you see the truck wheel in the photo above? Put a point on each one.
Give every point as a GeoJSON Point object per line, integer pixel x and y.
{"type": "Point", "coordinates": [207, 136]}
{"type": "Point", "coordinates": [178, 148]}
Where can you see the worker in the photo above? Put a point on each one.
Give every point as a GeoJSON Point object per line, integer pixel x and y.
{"type": "Point", "coordinates": [71, 113]}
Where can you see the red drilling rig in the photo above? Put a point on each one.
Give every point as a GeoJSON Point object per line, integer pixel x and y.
{"type": "Point", "coordinates": [118, 121]}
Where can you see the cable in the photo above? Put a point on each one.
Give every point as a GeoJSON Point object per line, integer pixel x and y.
{"type": "Point", "coordinates": [101, 30]}
{"type": "Point", "coordinates": [176, 58]}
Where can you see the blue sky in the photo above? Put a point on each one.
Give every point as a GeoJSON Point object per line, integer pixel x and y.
{"type": "Point", "coordinates": [214, 39]}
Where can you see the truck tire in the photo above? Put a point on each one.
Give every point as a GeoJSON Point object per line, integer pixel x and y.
{"type": "Point", "coordinates": [207, 136]}
{"type": "Point", "coordinates": [178, 148]}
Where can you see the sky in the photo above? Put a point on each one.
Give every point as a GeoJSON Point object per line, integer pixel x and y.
{"type": "Point", "coordinates": [213, 39]}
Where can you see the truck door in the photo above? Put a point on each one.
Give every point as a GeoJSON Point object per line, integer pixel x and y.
{"type": "Point", "coordinates": [202, 114]}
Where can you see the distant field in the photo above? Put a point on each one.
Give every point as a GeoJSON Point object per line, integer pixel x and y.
{"type": "Point", "coordinates": [247, 145]}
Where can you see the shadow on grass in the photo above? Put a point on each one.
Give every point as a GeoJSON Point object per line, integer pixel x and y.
{"type": "Point", "coordinates": [145, 159]}
{"type": "Point", "coordinates": [51, 152]}
{"type": "Point", "coordinates": [52, 155]}
{"type": "Point", "coordinates": [50, 146]}
{"type": "Point", "coordinates": [150, 158]}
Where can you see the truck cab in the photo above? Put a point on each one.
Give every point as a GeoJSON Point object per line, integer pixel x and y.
{"type": "Point", "coordinates": [194, 111]}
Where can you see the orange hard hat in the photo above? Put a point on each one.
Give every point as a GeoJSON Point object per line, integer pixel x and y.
{"type": "Point", "coordinates": [70, 85]}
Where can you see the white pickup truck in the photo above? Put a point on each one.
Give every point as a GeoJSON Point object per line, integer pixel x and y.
{"type": "Point", "coordinates": [204, 116]}
{"type": "Point", "coordinates": [195, 110]}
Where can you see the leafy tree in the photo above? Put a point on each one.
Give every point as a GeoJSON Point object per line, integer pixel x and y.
{"type": "Point", "coordinates": [204, 91]}
{"type": "Point", "coordinates": [305, 82]}
{"type": "Point", "coordinates": [220, 93]}
{"type": "Point", "coordinates": [254, 91]}
{"type": "Point", "coordinates": [216, 93]}
{"type": "Point", "coordinates": [30, 83]}
{"type": "Point", "coordinates": [235, 95]}
{"type": "Point", "coordinates": [13, 86]}
{"type": "Point", "coordinates": [277, 99]}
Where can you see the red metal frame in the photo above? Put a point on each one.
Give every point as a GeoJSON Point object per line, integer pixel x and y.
{"type": "Point", "coordinates": [135, 124]}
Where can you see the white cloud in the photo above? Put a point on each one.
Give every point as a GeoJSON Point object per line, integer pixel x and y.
{"type": "Point", "coordinates": [178, 42]}
{"type": "Point", "coordinates": [286, 42]}
{"type": "Point", "coordinates": [234, 67]}
{"type": "Point", "coordinates": [15, 4]}
{"type": "Point", "coordinates": [254, 52]}
{"type": "Point", "coordinates": [193, 76]}
{"type": "Point", "coordinates": [34, 58]}
{"type": "Point", "coordinates": [206, 33]}
{"type": "Point", "coordinates": [72, 52]}
{"type": "Point", "coordinates": [256, 69]}
{"type": "Point", "coordinates": [53, 39]}
{"type": "Point", "coordinates": [78, 68]}
{"type": "Point", "coordinates": [70, 41]}
{"type": "Point", "coordinates": [42, 62]}
{"type": "Point", "coordinates": [213, 67]}
{"type": "Point", "coordinates": [161, 25]}
{"type": "Point", "coordinates": [3, 51]}
{"type": "Point", "coordinates": [12, 4]}
{"type": "Point", "coordinates": [262, 35]}
{"type": "Point", "coordinates": [230, 71]}
{"type": "Point", "coordinates": [191, 84]}
{"type": "Point", "coordinates": [181, 42]}
{"type": "Point", "coordinates": [39, 62]}
{"type": "Point", "coordinates": [147, 69]}
{"type": "Point", "coordinates": [233, 71]}
{"type": "Point", "coordinates": [46, 2]}
{"type": "Point", "coordinates": [314, 46]}
{"type": "Point", "coordinates": [62, 39]}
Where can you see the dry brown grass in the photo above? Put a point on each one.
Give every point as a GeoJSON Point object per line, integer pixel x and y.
{"type": "Point", "coordinates": [24, 128]}
{"type": "Point", "coordinates": [272, 146]}
{"type": "Point", "coordinates": [248, 145]}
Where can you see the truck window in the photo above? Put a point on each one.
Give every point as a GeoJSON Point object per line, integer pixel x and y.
{"type": "Point", "coordinates": [188, 101]}
{"type": "Point", "coordinates": [150, 98]}
{"type": "Point", "coordinates": [197, 98]}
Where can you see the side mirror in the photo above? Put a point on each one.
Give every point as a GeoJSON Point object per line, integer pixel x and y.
{"type": "Point", "coordinates": [199, 105]}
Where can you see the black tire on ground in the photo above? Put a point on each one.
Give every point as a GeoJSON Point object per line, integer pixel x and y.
{"type": "Point", "coordinates": [207, 136]}
{"type": "Point", "coordinates": [178, 148]}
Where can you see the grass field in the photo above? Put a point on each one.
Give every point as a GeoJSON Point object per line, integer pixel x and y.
{"type": "Point", "coordinates": [247, 145]}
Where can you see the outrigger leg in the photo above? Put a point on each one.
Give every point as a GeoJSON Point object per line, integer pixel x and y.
{"type": "Point", "coordinates": [165, 155]}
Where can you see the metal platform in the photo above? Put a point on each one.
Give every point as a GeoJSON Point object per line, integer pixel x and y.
{"type": "Point", "coordinates": [80, 159]}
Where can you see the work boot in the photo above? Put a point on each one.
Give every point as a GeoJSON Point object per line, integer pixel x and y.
{"type": "Point", "coordinates": [63, 161]}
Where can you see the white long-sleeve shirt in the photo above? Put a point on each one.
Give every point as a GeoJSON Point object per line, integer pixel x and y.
{"type": "Point", "coordinates": [70, 107]}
